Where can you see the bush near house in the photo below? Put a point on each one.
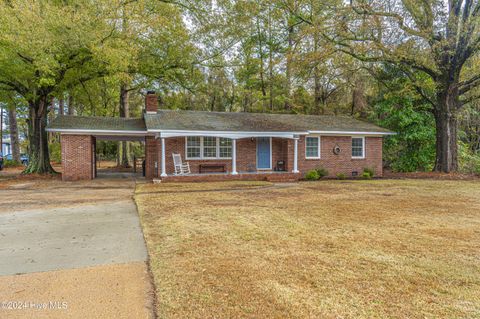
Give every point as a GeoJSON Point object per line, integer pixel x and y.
{"type": "Point", "coordinates": [368, 171]}
{"type": "Point", "coordinates": [322, 172]}
{"type": "Point", "coordinates": [366, 175]}
{"type": "Point", "coordinates": [341, 176]}
{"type": "Point", "coordinates": [312, 175]}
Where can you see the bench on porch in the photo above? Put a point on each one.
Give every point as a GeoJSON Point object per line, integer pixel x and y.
{"type": "Point", "coordinates": [212, 168]}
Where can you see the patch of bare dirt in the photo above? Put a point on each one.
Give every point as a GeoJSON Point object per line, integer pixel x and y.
{"type": "Point", "coordinates": [110, 291]}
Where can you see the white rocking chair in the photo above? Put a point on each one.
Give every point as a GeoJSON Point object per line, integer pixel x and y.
{"type": "Point", "coordinates": [180, 167]}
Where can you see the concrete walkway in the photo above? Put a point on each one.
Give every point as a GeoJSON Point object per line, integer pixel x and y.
{"type": "Point", "coordinates": [84, 249]}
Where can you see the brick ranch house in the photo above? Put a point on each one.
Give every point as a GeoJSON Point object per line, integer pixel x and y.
{"type": "Point", "coordinates": [254, 146]}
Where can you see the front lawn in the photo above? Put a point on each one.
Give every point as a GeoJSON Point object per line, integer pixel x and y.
{"type": "Point", "coordinates": [328, 249]}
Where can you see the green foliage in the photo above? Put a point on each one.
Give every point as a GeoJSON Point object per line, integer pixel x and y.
{"type": "Point", "coordinates": [401, 110]}
{"type": "Point", "coordinates": [312, 175]}
{"type": "Point", "coordinates": [11, 163]}
{"type": "Point", "coordinates": [341, 176]}
{"type": "Point", "coordinates": [369, 171]}
{"type": "Point", "coordinates": [366, 175]}
{"type": "Point", "coordinates": [469, 162]}
{"type": "Point", "coordinates": [55, 152]}
{"type": "Point", "coordinates": [322, 172]}
{"type": "Point", "coordinates": [107, 150]}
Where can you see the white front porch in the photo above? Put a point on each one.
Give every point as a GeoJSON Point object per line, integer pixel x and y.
{"type": "Point", "coordinates": [246, 150]}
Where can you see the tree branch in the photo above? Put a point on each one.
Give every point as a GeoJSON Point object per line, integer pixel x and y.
{"type": "Point", "coordinates": [465, 86]}
{"type": "Point", "coordinates": [469, 99]}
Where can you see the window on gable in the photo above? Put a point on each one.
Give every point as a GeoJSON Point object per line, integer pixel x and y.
{"type": "Point", "coordinates": [358, 147]}
{"type": "Point", "coordinates": [312, 147]}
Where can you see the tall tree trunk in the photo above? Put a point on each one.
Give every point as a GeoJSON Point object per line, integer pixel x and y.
{"type": "Point", "coordinates": [316, 79]}
{"type": "Point", "coordinates": [61, 105]}
{"type": "Point", "coordinates": [317, 92]}
{"type": "Point", "coordinates": [39, 158]}
{"type": "Point", "coordinates": [288, 71]}
{"type": "Point", "coordinates": [51, 117]}
{"type": "Point", "coordinates": [270, 60]}
{"type": "Point", "coordinates": [446, 125]}
{"type": "Point", "coordinates": [71, 107]}
{"type": "Point", "coordinates": [12, 120]}
{"type": "Point", "coordinates": [262, 68]}
{"type": "Point", "coordinates": [124, 112]}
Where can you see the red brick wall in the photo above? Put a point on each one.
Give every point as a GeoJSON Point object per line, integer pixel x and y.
{"type": "Point", "coordinates": [77, 157]}
{"type": "Point", "coordinates": [282, 149]}
{"type": "Point", "coordinates": [151, 157]}
{"type": "Point", "coordinates": [343, 162]}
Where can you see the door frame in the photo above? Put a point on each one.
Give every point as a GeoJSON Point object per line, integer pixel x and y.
{"type": "Point", "coordinates": [256, 154]}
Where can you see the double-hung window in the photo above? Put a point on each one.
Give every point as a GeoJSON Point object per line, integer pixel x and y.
{"type": "Point", "coordinates": [312, 147]}
{"type": "Point", "coordinates": [194, 148]}
{"type": "Point", "coordinates": [358, 147]}
{"type": "Point", "coordinates": [208, 147]}
{"type": "Point", "coordinates": [225, 147]}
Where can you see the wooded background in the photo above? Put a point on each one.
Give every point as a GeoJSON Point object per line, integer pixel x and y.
{"type": "Point", "coordinates": [410, 66]}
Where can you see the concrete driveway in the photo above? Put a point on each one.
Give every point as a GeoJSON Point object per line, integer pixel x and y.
{"type": "Point", "coordinates": [85, 251]}
{"type": "Point", "coordinates": [71, 237]}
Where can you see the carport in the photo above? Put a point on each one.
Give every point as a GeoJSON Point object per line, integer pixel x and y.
{"type": "Point", "coordinates": [79, 136]}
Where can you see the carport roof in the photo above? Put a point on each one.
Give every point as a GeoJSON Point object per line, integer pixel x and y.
{"type": "Point", "coordinates": [65, 123]}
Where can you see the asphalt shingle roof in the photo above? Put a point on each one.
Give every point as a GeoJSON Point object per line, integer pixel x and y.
{"type": "Point", "coordinates": [216, 121]}
{"type": "Point", "coordinates": [254, 122]}
{"type": "Point", "coordinates": [70, 122]}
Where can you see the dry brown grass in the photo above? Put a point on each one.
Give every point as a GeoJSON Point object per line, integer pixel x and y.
{"type": "Point", "coordinates": [330, 249]}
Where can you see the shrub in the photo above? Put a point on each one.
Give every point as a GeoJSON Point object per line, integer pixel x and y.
{"type": "Point", "coordinates": [11, 163]}
{"type": "Point", "coordinates": [312, 175]}
{"type": "Point", "coordinates": [341, 176]}
{"type": "Point", "coordinates": [369, 171]}
{"type": "Point", "coordinates": [366, 175]}
{"type": "Point", "coordinates": [468, 161]}
{"type": "Point", "coordinates": [322, 172]}
{"type": "Point", "coordinates": [55, 152]}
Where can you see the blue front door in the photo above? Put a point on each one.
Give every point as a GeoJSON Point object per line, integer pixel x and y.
{"type": "Point", "coordinates": [264, 153]}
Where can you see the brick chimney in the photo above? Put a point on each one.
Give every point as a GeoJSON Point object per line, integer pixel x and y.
{"type": "Point", "coordinates": [151, 102]}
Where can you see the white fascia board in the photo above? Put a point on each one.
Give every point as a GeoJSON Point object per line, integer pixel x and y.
{"type": "Point", "coordinates": [98, 132]}
{"type": "Point", "coordinates": [226, 134]}
{"type": "Point", "coordinates": [346, 133]}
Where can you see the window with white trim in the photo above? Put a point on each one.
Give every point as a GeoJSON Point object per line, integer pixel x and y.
{"type": "Point", "coordinates": [225, 147]}
{"type": "Point", "coordinates": [208, 147]}
{"type": "Point", "coordinates": [358, 147]}
{"type": "Point", "coordinates": [312, 147]}
{"type": "Point", "coordinates": [194, 147]}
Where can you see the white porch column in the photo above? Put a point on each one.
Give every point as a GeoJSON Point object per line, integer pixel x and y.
{"type": "Point", "coordinates": [295, 155]}
{"type": "Point", "coordinates": [164, 171]}
{"type": "Point", "coordinates": [234, 157]}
